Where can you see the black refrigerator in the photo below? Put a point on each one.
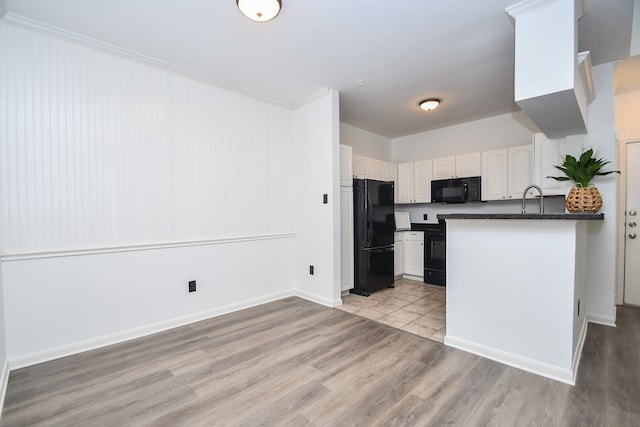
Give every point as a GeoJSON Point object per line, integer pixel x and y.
{"type": "Point", "coordinates": [373, 228]}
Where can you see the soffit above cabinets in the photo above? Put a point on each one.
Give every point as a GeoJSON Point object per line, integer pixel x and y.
{"type": "Point", "coordinates": [552, 82]}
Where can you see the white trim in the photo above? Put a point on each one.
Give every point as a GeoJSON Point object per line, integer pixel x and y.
{"type": "Point", "coordinates": [130, 54]}
{"type": "Point", "coordinates": [524, 363]}
{"type": "Point", "coordinates": [602, 320]}
{"type": "Point", "coordinates": [4, 382]}
{"type": "Point", "coordinates": [317, 299]}
{"type": "Point", "coordinates": [93, 343]}
{"type": "Point", "coordinates": [412, 277]}
{"type": "Point", "coordinates": [578, 351]}
{"type": "Point", "coordinates": [525, 6]}
{"type": "Point", "coordinates": [92, 251]}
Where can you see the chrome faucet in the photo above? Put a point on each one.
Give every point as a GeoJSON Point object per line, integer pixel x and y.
{"type": "Point", "coordinates": [524, 194]}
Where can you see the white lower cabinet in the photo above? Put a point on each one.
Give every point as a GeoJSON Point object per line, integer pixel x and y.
{"type": "Point", "coordinates": [346, 238]}
{"type": "Point", "coordinates": [414, 253]}
{"type": "Point", "coordinates": [398, 254]}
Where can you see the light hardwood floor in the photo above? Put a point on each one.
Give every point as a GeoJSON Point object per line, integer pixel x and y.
{"type": "Point", "coordinates": [296, 363]}
{"type": "Point", "coordinates": [411, 306]}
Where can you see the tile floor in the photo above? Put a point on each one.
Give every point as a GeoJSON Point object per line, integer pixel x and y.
{"type": "Point", "coordinates": [412, 306]}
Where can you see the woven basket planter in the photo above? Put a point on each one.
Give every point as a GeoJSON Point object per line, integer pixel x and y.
{"type": "Point", "coordinates": [583, 199]}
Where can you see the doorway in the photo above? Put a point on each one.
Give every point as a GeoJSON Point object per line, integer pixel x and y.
{"type": "Point", "coordinates": [632, 226]}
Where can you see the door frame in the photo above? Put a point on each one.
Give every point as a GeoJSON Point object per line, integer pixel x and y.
{"type": "Point", "coordinates": [622, 212]}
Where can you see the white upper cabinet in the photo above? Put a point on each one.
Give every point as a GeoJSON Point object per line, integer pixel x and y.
{"type": "Point", "coordinates": [390, 172]}
{"type": "Point", "coordinates": [422, 171]}
{"type": "Point", "coordinates": [549, 152]}
{"type": "Point", "coordinates": [494, 174]}
{"type": "Point", "coordinates": [378, 169]}
{"type": "Point", "coordinates": [404, 186]}
{"type": "Point", "coordinates": [361, 167]}
{"type": "Point", "coordinates": [507, 172]}
{"type": "Point", "coordinates": [520, 171]}
{"type": "Point", "coordinates": [469, 164]}
{"type": "Point", "coordinates": [346, 164]}
{"type": "Point", "coordinates": [368, 168]}
{"type": "Point", "coordinates": [414, 182]}
{"type": "Point", "coordinates": [460, 166]}
{"type": "Point", "coordinates": [444, 167]}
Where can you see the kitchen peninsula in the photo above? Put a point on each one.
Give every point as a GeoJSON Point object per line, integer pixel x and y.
{"type": "Point", "coordinates": [515, 285]}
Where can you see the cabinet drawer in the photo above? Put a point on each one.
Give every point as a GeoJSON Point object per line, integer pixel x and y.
{"type": "Point", "coordinates": [414, 236]}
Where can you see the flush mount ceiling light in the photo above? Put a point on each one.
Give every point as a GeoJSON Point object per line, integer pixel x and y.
{"type": "Point", "coordinates": [429, 104]}
{"type": "Point", "coordinates": [259, 10]}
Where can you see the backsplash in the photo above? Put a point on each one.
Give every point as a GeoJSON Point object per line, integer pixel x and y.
{"type": "Point", "coordinates": [552, 204]}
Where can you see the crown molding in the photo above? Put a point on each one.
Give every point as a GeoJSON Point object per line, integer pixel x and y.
{"type": "Point", "coordinates": [54, 31]}
{"type": "Point", "coordinates": [527, 6]}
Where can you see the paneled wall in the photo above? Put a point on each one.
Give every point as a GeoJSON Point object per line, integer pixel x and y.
{"type": "Point", "coordinates": [120, 181]}
{"type": "Point", "coordinates": [97, 150]}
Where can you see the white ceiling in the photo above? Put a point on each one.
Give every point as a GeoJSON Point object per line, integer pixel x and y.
{"type": "Point", "coordinates": [383, 57]}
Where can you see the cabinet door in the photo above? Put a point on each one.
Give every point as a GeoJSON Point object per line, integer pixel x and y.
{"type": "Point", "coordinates": [378, 168]}
{"type": "Point", "coordinates": [520, 171]}
{"type": "Point", "coordinates": [414, 257]}
{"type": "Point", "coordinates": [390, 172]}
{"type": "Point", "coordinates": [547, 153]}
{"type": "Point", "coordinates": [346, 166]}
{"type": "Point", "coordinates": [404, 186]}
{"type": "Point", "coordinates": [494, 174]}
{"type": "Point", "coordinates": [361, 167]}
{"type": "Point", "coordinates": [346, 238]}
{"type": "Point", "coordinates": [398, 255]}
{"type": "Point", "coordinates": [422, 181]}
{"type": "Point", "coordinates": [444, 167]}
{"type": "Point", "coordinates": [469, 164]}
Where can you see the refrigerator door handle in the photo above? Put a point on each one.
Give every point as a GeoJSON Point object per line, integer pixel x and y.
{"type": "Point", "coordinates": [368, 222]}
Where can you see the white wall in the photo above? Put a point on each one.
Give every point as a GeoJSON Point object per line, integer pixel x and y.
{"type": "Point", "coordinates": [61, 305]}
{"type": "Point", "coordinates": [365, 143]}
{"type": "Point", "coordinates": [318, 224]}
{"type": "Point", "coordinates": [120, 181]}
{"type": "Point", "coordinates": [602, 247]}
{"type": "Point", "coordinates": [486, 134]}
{"type": "Point", "coordinates": [627, 104]}
{"type": "Point", "coordinates": [4, 366]}
{"type": "Point", "coordinates": [635, 32]}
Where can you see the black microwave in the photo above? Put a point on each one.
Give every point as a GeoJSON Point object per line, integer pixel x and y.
{"type": "Point", "coordinates": [456, 190]}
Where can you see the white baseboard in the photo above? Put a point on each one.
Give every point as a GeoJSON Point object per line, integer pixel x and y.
{"type": "Point", "coordinates": [318, 299]}
{"type": "Point", "coordinates": [411, 277]}
{"type": "Point", "coordinates": [91, 344]}
{"type": "Point", "coordinates": [4, 381]}
{"type": "Point", "coordinates": [539, 368]}
{"type": "Point", "coordinates": [602, 320]}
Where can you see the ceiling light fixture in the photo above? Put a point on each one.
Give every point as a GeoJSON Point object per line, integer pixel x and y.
{"type": "Point", "coordinates": [429, 104]}
{"type": "Point", "coordinates": [259, 10]}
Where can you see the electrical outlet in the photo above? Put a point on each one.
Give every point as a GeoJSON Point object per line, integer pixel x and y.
{"type": "Point", "coordinates": [325, 199]}
{"type": "Point", "coordinates": [192, 285]}
{"type": "Point", "coordinates": [311, 270]}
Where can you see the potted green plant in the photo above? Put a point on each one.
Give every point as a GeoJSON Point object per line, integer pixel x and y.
{"type": "Point", "coordinates": [584, 196]}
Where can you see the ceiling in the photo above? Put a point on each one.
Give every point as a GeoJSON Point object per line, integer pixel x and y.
{"type": "Point", "coordinates": [383, 60]}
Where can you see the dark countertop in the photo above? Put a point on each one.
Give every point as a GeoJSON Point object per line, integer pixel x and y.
{"type": "Point", "coordinates": [420, 226]}
{"type": "Point", "coordinates": [555, 216]}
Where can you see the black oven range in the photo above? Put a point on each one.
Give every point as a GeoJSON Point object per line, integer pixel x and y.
{"type": "Point", "coordinates": [435, 252]}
